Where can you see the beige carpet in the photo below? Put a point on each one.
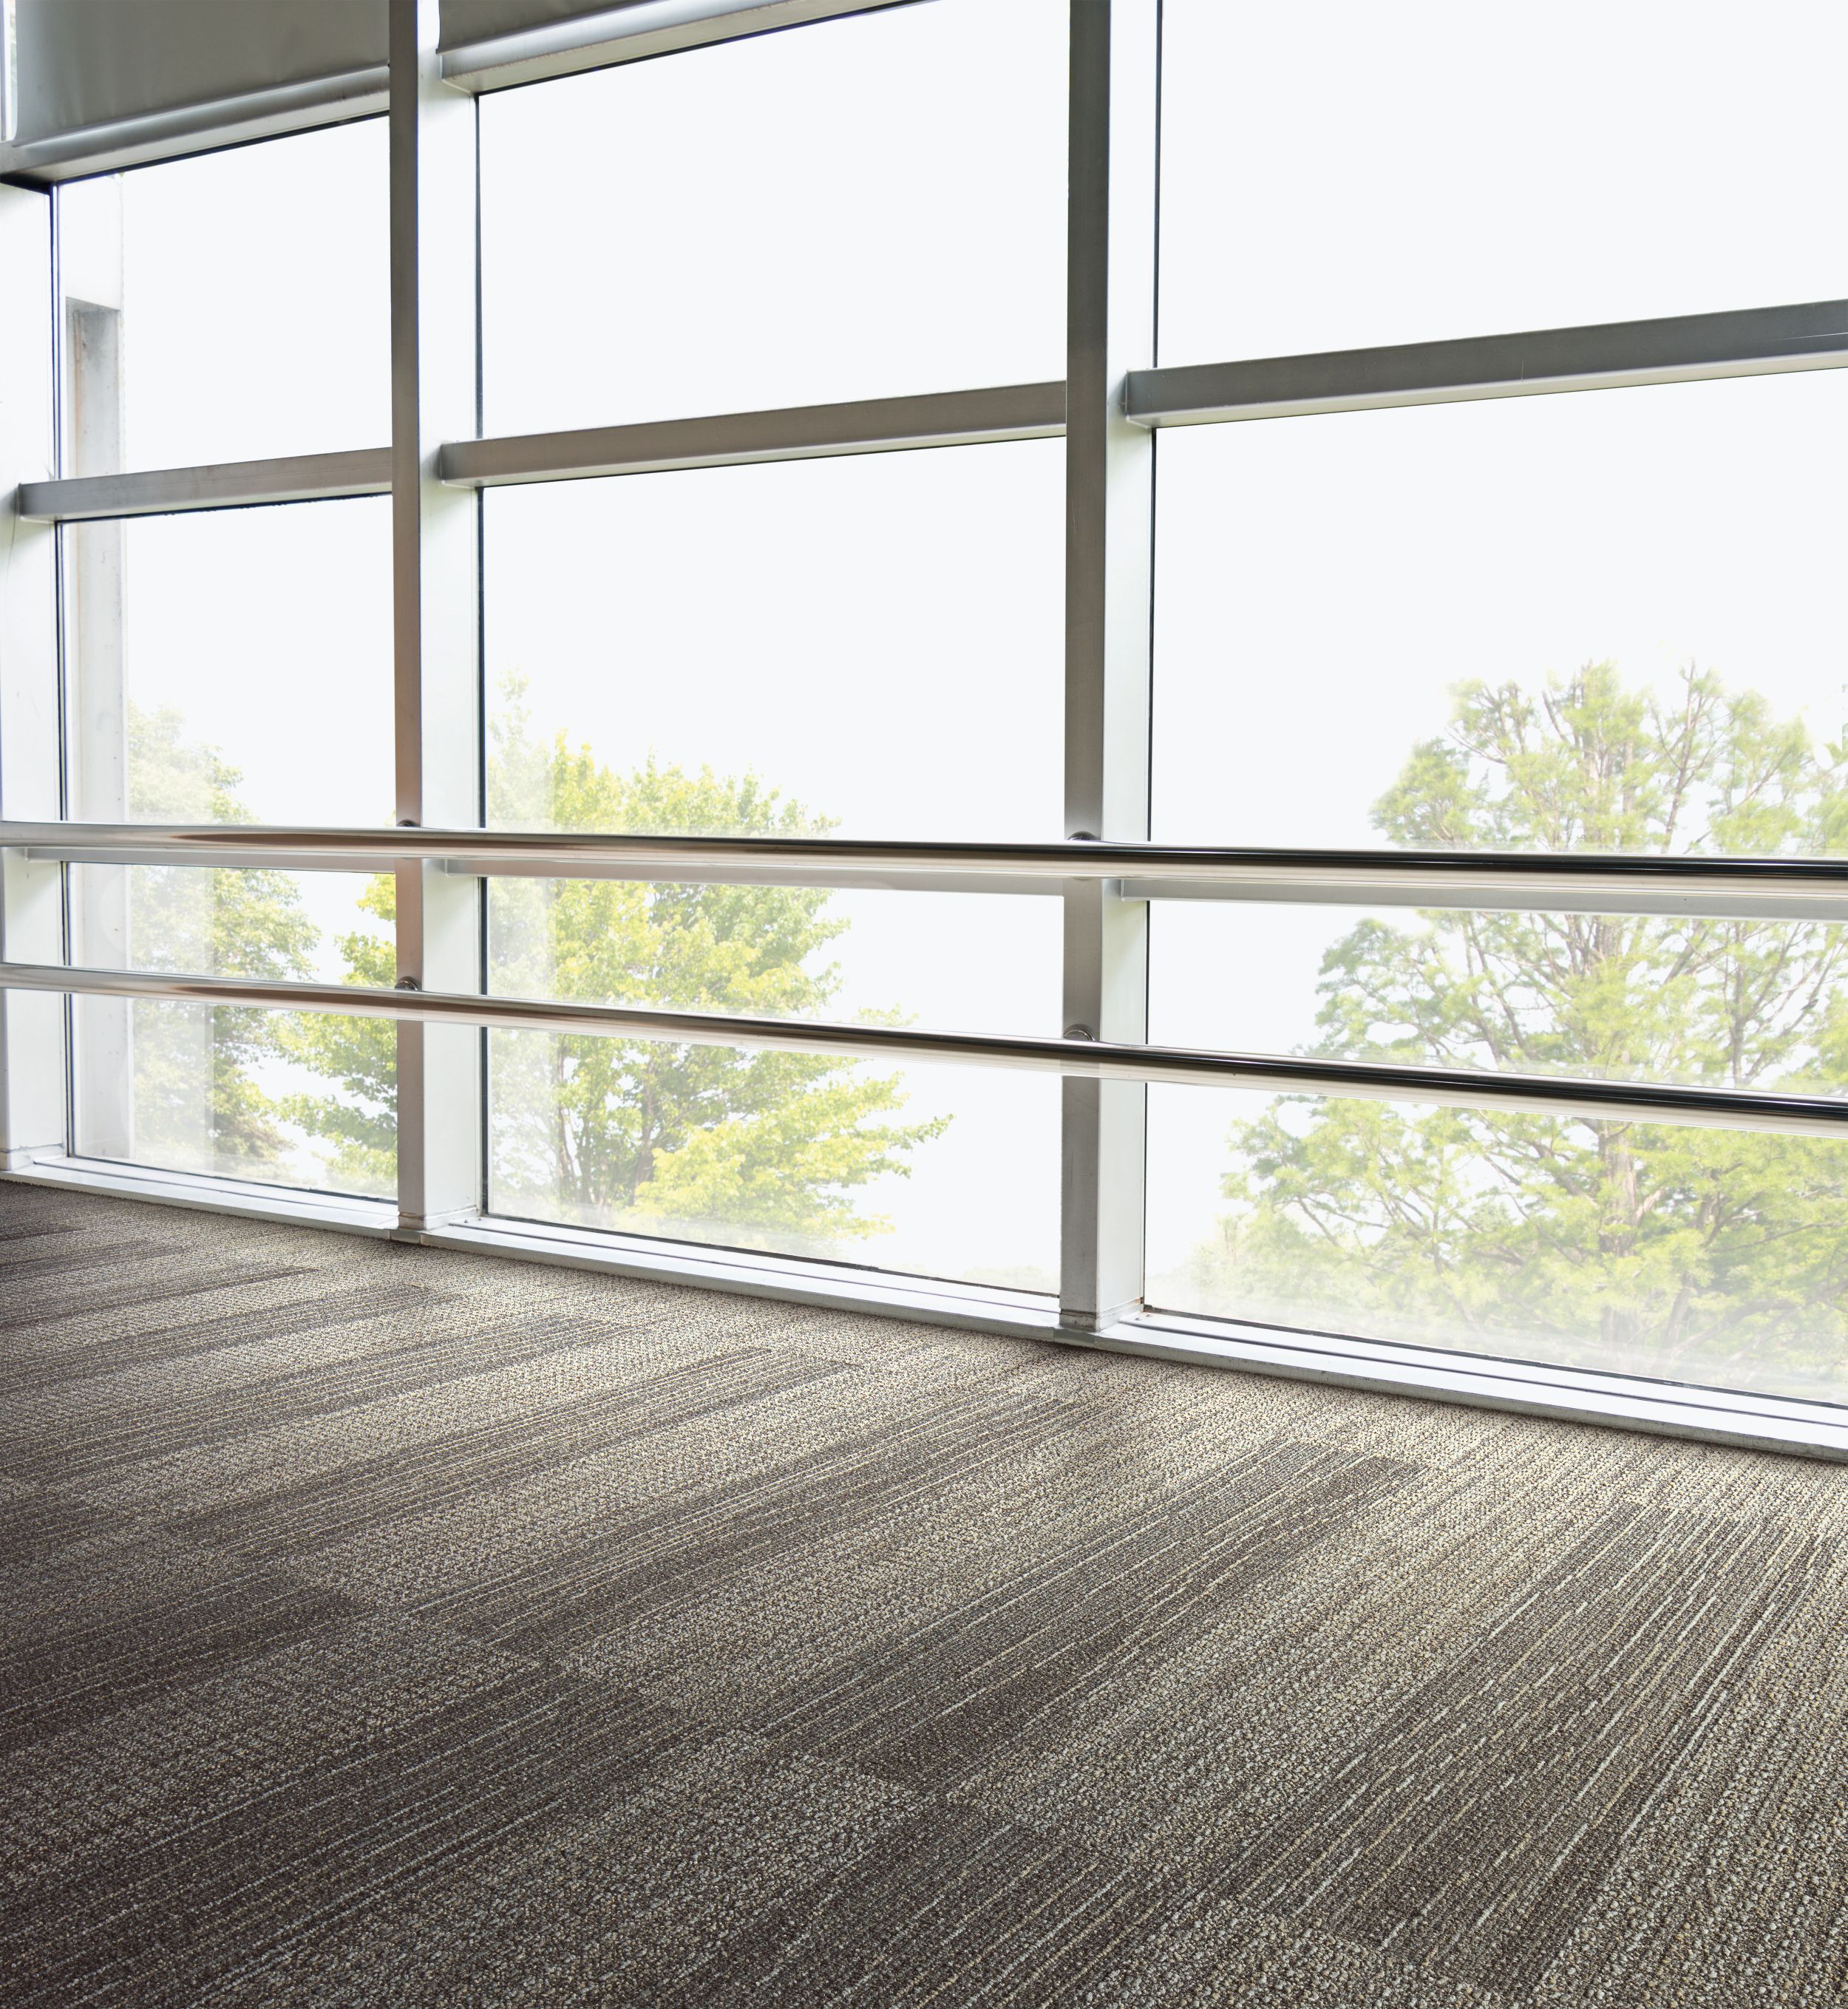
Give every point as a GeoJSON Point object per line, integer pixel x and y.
{"type": "Point", "coordinates": [389, 1626]}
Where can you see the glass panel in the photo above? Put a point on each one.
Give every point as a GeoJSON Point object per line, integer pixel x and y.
{"type": "Point", "coordinates": [927, 1168]}
{"type": "Point", "coordinates": [934, 1170]}
{"type": "Point", "coordinates": [1348, 174]}
{"type": "Point", "coordinates": [1610, 621]}
{"type": "Point", "coordinates": [301, 1098]}
{"type": "Point", "coordinates": [232, 666]}
{"type": "Point", "coordinates": [854, 209]}
{"type": "Point", "coordinates": [875, 641]}
{"type": "Point", "coordinates": [232, 306]}
{"type": "Point", "coordinates": [1712, 1256]}
{"type": "Point", "coordinates": [1759, 1004]}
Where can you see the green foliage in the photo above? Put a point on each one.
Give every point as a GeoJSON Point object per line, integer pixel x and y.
{"type": "Point", "coordinates": [752, 1146]}
{"type": "Point", "coordinates": [361, 1055]}
{"type": "Point", "coordinates": [1689, 1253]}
{"type": "Point", "coordinates": [229, 923]}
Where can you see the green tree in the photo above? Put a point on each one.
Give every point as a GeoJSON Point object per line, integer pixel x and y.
{"type": "Point", "coordinates": [361, 1122]}
{"type": "Point", "coordinates": [759, 1146]}
{"type": "Point", "coordinates": [1689, 1253]}
{"type": "Point", "coordinates": [226, 923]}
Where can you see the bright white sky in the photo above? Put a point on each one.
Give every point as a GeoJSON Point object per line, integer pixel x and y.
{"type": "Point", "coordinates": [859, 208]}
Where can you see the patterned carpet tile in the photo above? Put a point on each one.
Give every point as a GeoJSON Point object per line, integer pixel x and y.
{"type": "Point", "coordinates": [296, 1864]}
{"type": "Point", "coordinates": [100, 1626]}
{"type": "Point", "coordinates": [392, 1625]}
{"type": "Point", "coordinates": [928, 1704]}
{"type": "Point", "coordinates": [1471, 1828]}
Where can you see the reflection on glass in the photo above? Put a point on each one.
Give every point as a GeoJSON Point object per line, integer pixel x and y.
{"type": "Point", "coordinates": [856, 208]}
{"type": "Point", "coordinates": [875, 637]}
{"type": "Point", "coordinates": [296, 1098]}
{"type": "Point", "coordinates": [925, 1169]}
{"type": "Point", "coordinates": [232, 666]}
{"type": "Point", "coordinates": [1689, 1255]}
{"type": "Point", "coordinates": [1603, 622]}
{"type": "Point", "coordinates": [1347, 174]}
{"type": "Point", "coordinates": [232, 306]}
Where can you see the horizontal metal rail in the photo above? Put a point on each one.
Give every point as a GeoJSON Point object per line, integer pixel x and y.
{"type": "Point", "coordinates": [1798, 889]}
{"type": "Point", "coordinates": [808, 432]}
{"type": "Point", "coordinates": [872, 425]}
{"type": "Point", "coordinates": [1749, 342]}
{"type": "Point", "coordinates": [626, 34]}
{"type": "Point", "coordinates": [1754, 341]}
{"type": "Point", "coordinates": [235, 484]}
{"type": "Point", "coordinates": [1706, 1108]}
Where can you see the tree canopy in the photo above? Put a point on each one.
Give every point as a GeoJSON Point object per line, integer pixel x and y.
{"type": "Point", "coordinates": [756, 1146]}
{"type": "Point", "coordinates": [1692, 1253]}
{"type": "Point", "coordinates": [229, 923]}
{"type": "Point", "coordinates": [733, 1145]}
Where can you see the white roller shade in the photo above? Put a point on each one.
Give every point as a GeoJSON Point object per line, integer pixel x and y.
{"type": "Point", "coordinates": [106, 83]}
{"type": "Point", "coordinates": [95, 62]}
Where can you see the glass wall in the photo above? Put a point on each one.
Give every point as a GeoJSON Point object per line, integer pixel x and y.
{"type": "Point", "coordinates": [1603, 623]}
{"type": "Point", "coordinates": [1573, 623]}
{"type": "Point", "coordinates": [233, 306]}
{"type": "Point", "coordinates": [866, 209]}
{"type": "Point", "coordinates": [881, 660]}
{"type": "Point", "coordinates": [1343, 176]}
{"type": "Point", "coordinates": [874, 642]}
{"type": "Point", "coordinates": [1679, 1254]}
{"type": "Point", "coordinates": [297, 1098]}
{"type": "Point", "coordinates": [1601, 627]}
{"type": "Point", "coordinates": [233, 666]}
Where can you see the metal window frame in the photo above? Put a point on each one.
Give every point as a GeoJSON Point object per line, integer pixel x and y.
{"type": "Point", "coordinates": [1108, 407]}
{"type": "Point", "coordinates": [1548, 362]}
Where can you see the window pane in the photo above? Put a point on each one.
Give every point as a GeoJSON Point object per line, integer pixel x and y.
{"type": "Point", "coordinates": [301, 1099]}
{"type": "Point", "coordinates": [937, 1171]}
{"type": "Point", "coordinates": [1711, 1257]}
{"type": "Point", "coordinates": [932, 1169]}
{"type": "Point", "coordinates": [853, 209]}
{"type": "Point", "coordinates": [1611, 622]}
{"type": "Point", "coordinates": [875, 639]}
{"type": "Point", "coordinates": [228, 307]}
{"type": "Point", "coordinates": [1732, 1003]}
{"type": "Point", "coordinates": [1344, 175]}
{"type": "Point", "coordinates": [232, 666]}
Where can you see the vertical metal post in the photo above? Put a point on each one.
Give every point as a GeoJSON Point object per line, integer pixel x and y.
{"type": "Point", "coordinates": [95, 676]}
{"type": "Point", "coordinates": [1109, 531]}
{"type": "Point", "coordinates": [436, 608]}
{"type": "Point", "coordinates": [32, 1049]}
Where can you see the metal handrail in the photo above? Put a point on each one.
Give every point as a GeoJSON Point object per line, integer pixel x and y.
{"type": "Point", "coordinates": [1711, 1108]}
{"type": "Point", "coordinates": [1789, 888]}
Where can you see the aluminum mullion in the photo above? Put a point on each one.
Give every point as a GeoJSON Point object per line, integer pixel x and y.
{"type": "Point", "coordinates": [1110, 534]}
{"type": "Point", "coordinates": [1608, 356]}
{"type": "Point", "coordinates": [33, 1105]}
{"type": "Point", "coordinates": [1104, 1061]}
{"type": "Point", "coordinates": [436, 636]}
{"type": "Point", "coordinates": [804, 432]}
{"type": "Point", "coordinates": [235, 484]}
